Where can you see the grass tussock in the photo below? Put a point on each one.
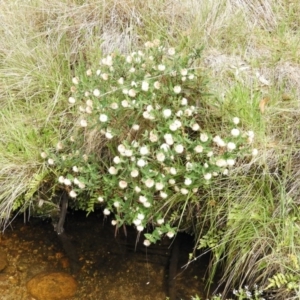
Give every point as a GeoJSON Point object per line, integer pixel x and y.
{"type": "Point", "coordinates": [251, 53]}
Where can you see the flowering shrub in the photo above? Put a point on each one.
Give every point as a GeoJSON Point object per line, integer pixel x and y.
{"type": "Point", "coordinates": [155, 151]}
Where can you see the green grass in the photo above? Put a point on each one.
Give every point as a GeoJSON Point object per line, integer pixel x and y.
{"type": "Point", "coordinates": [43, 43]}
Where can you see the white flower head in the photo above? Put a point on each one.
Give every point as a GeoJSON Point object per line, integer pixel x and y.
{"type": "Point", "coordinates": [81, 185]}
{"type": "Point", "coordinates": [108, 135]}
{"type": "Point", "coordinates": [189, 166]}
{"type": "Point", "coordinates": [83, 123]}
{"type": "Point", "coordinates": [141, 216]}
{"type": "Point", "coordinates": [116, 204]}
{"type": "Point", "coordinates": [231, 146]}
{"type": "Point", "coordinates": [221, 143]}
{"type": "Point", "coordinates": [235, 132]}
{"type": "Point", "coordinates": [141, 162]}
{"type": "Point", "coordinates": [136, 222]}
{"type": "Point", "coordinates": [184, 101]}
{"type": "Point", "coordinates": [167, 113]}
{"type": "Point", "coordinates": [173, 171]}
{"type": "Point", "coordinates": [236, 120]}
{"type": "Point", "coordinates": [179, 148]}
{"type": "Point", "coordinates": [129, 59]}
{"type": "Point", "coordinates": [147, 243]}
{"type": "Point", "coordinates": [72, 100]}
{"type": "Point", "coordinates": [125, 103]}
{"type": "Point", "coordinates": [195, 127]}
{"type": "Point", "coordinates": [103, 118]}
{"type": "Point", "coordinates": [165, 147]}
{"type": "Point", "coordinates": [134, 173]}
{"type": "Point", "coordinates": [161, 67]}
{"type": "Point", "coordinates": [210, 154]}
{"type": "Point", "coordinates": [173, 127]}
{"type": "Point", "coordinates": [177, 89]}
{"type": "Point", "coordinates": [153, 137]}
{"type": "Point", "coordinates": [254, 152]}
{"type": "Point", "coordinates": [61, 179]}
{"type": "Point", "coordinates": [112, 171]}
{"type": "Point", "coordinates": [114, 222]}
{"type": "Point", "coordinates": [198, 149]}
{"type": "Point", "coordinates": [121, 80]}
{"type": "Point", "coordinates": [188, 181]}
{"type": "Point", "coordinates": [59, 146]}
{"type": "Point", "coordinates": [104, 76]}
{"type": "Point", "coordinates": [96, 92]}
{"type": "Point", "coordinates": [230, 162]}
{"type": "Point", "coordinates": [123, 184]}
{"type": "Point", "coordinates": [159, 186]}
{"type": "Point", "coordinates": [72, 194]}
{"type": "Point", "coordinates": [184, 72]}
{"type": "Point", "coordinates": [44, 155]}
{"type": "Point", "coordinates": [171, 51]}
{"type": "Point", "coordinates": [221, 163]}
{"type": "Point", "coordinates": [146, 115]}
{"type": "Point", "coordinates": [160, 221]}
{"type": "Point", "coordinates": [106, 211]}
{"type": "Point", "coordinates": [163, 195]}
{"type": "Point", "coordinates": [169, 139]}
{"type": "Point", "coordinates": [75, 169]}
{"type": "Point", "coordinates": [135, 127]}
{"type": "Point", "coordinates": [140, 228]}
{"type": "Point", "coordinates": [137, 189]}
{"type": "Point", "coordinates": [147, 204]}
{"type": "Point", "coordinates": [145, 86]}
{"type": "Point", "coordinates": [184, 191]}
{"type": "Point", "coordinates": [172, 181]}
{"type": "Point", "coordinates": [50, 161]}
{"type": "Point", "coordinates": [160, 157]}
{"type": "Point", "coordinates": [149, 108]}
{"type": "Point", "coordinates": [170, 234]}
{"type": "Point", "coordinates": [149, 183]}
{"type": "Point", "coordinates": [156, 85]}
{"type": "Point", "coordinates": [250, 134]}
{"type": "Point", "coordinates": [121, 148]}
{"type": "Point", "coordinates": [114, 105]}
{"type": "Point", "coordinates": [100, 199]}
{"type": "Point", "coordinates": [142, 199]}
{"type": "Point", "coordinates": [144, 150]}
{"type": "Point", "coordinates": [207, 176]}
{"type": "Point", "coordinates": [75, 80]}
{"type": "Point", "coordinates": [132, 93]}
{"type": "Point", "coordinates": [203, 137]}
{"type": "Point", "coordinates": [88, 110]}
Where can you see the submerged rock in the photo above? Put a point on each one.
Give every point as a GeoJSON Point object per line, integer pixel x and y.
{"type": "Point", "coordinates": [3, 260]}
{"type": "Point", "coordinates": [52, 286]}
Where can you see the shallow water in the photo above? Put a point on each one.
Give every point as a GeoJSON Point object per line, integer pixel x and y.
{"type": "Point", "coordinates": [105, 266]}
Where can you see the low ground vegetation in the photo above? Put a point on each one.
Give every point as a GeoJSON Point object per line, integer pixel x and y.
{"type": "Point", "coordinates": [170, 115]}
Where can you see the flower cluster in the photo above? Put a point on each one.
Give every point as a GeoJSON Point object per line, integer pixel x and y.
{"type": "Point", "coordinates": [146, 107]}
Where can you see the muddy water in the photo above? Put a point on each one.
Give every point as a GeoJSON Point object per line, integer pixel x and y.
{"type": "Point", "coordinates": [106, 267]}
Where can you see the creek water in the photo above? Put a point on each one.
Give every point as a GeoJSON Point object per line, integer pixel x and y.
{"type": "Point", "coordinates": [107, 265]}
